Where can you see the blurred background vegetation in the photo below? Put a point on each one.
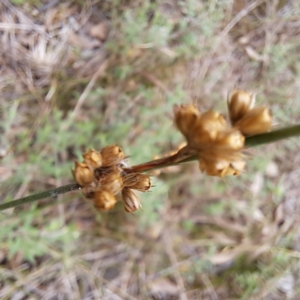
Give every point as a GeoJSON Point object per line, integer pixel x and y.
{"type": "Point", "coordinates": [80, 74]}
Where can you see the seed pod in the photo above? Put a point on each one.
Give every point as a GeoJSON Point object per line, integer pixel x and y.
{"type": "Point", "coordinates": [256, 121]}
{"type": "Point", "coordinates": [200, 137]}
{"type": "Point", "coordinates": [93, 158]}
{"type": "Point", "coordinates": [239, 104]}
{"type": "Point", "coordinates": [206, 129]}
{"type": "Point", "coordinates": [137, 181]}
{"type": "Point", "coordinates": [88, 192]}
{"type": "Point", "coordinates": [230, 171]}
{"type": "Point", "coordinates": [83, 174]}
{"type": "Point", "coordinates": [238, 166]}
{"type": "Point", "coordinates": [185, 117]}
{"type": "Point", "coordinates": [213, 121]}
{"type": "Point", "coordinates": [131, 200]}
{"type": "Point", "coordinates": [111, 155]}
{"type": "Point", "coordinates": [209, 169]}
{"type": "Point", "coordinates": [230, 139]}
{"type": "Point", "coordinates": [221, 168]}
{"type": "Point", "coordinates": [113, 182]}
{"type": "Point", "coordinates": [104, 200]}
{"type": "Point", "coordinates": [216, 168]}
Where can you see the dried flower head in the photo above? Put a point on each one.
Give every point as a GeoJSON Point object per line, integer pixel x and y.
{"type": "Point", "coordinates": [104, 200]}
{"type": "Point", "coordinates": [102, 176]}
{"type": "Point", "coordinates": [83, 174]}
{"type": "Point", "coordinates": [112, 155]}
{"type": "Point", "coordinates": [239, 104]}
{"type": "Point", "coordinates": [131, 201]}
{"type": "Point", "coordinates": [218, 146]}
{"type": "Point", "coordinates": [93, 158]}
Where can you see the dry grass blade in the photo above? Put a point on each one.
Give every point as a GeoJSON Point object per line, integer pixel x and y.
{"type": "Point", "coordinates": [89, 87]}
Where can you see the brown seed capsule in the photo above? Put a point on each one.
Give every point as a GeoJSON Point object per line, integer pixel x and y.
{"type": "Point", "coordinates": [83, 174]}
{"type": "Point", "coordinates": [238, 166]}
{"type": "Point", "coordinates": [221, 168]}
{"type": "Point", "coordinates": [213, 121]}
{"type": "Point", "coordinates": [111, 155]}
{"type": "Point", "coordinates": [88, 192]}
{"type": "Point", "coordinates": [113, 182]}
{"type": "Point", "coordinates": [185, 117]}
{"type": "Point", "coordinates": [131, 200]}
{"type": "Point", "coordinates": [208, 168]}
{"type": "Point", "coordinates": [214, 168]}
{"type": "Point", "coordinates": [139, 182]}
{"type": "Point", "coordinates": [256, 121]}
{"type": "Point", "coordinates": [201, 137]}
{"type": "Point", "coordinates": [239, 104]}
{"type": "Point", "coordinates": [104, 200]}
{"type": "Point", "coordinates": [230, 139]}
{"type": "Point", "coordinates": [206, 129]}
{"type": "Point", "coordinates": [93, 158]}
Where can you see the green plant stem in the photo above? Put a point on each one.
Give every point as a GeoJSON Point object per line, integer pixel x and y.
{"type": "Point", "coordinates": [181, 157]}
{"type": "Point", "coordinates": [51, 193]}
{"type": "Point", "coordinates": [272, 136]}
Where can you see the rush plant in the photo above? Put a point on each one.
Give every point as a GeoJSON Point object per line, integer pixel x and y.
{"type": "Point", "coordinates": [219, 147]}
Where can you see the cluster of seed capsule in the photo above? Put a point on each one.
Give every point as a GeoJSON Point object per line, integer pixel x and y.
{"type": "Point", "coordinates": [104, 180]}
{"type": "Point", "coordinates": [217, 144]}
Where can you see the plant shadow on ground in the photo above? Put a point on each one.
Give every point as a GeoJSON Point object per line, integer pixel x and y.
{"type": "Point", "coordinates": [76, 75]}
